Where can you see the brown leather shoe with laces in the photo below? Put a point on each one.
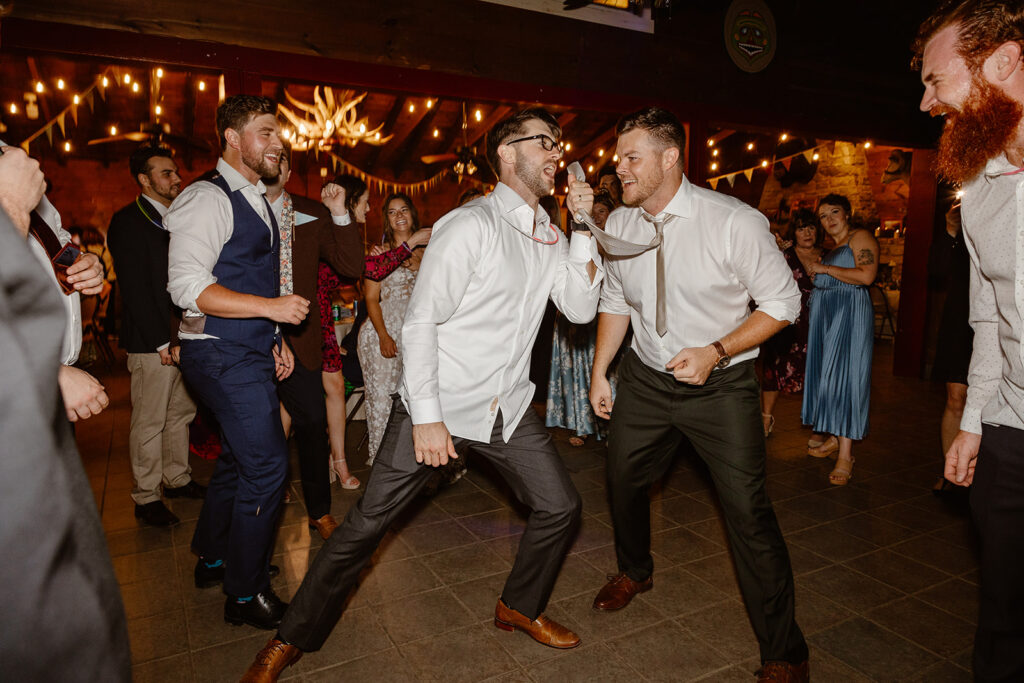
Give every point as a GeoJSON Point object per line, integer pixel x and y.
{"type": "Point", "coordinates": [619, 590]}
{"type": "Point", "coordinates": [784, 672]}
{"type": "Point", "coordinates": [543, 630]}
{"type": "Point", "coordinates": [271, 661]}
{"type": "Point", "coordinates": [325, 525]}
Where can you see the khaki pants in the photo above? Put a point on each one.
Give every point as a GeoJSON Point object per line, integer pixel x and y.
{"type": "Point", "coordinates": [158, 440]}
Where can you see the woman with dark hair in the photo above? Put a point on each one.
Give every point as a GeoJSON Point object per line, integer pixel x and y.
{"type": "Point", "coordinates": [837, 384]}
{"type": "Point", "coordinates": [386, 301]}
{"type": "Point", "coordinates": [357, 203]}
{"type": "Point", "coordinates": [572, 359]}
{"type": "Point", "coordinates": [783, 356]}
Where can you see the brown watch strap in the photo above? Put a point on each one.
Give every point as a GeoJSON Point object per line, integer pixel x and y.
{"type": "Point", "coordinates": [721, 349]}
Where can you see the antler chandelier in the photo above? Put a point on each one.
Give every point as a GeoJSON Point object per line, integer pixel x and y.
{"type": "Point", "coordinates": [329, 120]}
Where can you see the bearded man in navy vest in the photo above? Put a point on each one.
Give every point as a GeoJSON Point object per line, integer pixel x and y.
{"type": "Point", "coordinates": [223, 272]}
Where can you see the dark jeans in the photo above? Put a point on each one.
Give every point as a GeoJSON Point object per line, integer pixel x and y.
{"type": "Point", "coordinates": [653, 415]}
{"type": "Point", "coordinates": [997, 505]}
{"type": "Point", "coordinates": [302, 394]}
{"type": "Point", "coordinates": [243, 500]}
{"type": "Point", "coordinates": [529, 463]}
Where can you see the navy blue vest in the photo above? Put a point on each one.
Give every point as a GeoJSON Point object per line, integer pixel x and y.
{"type": "Point", "coordinates": [249, 263]}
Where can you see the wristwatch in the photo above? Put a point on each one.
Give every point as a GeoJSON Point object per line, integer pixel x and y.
{"type": "Point", "coordinates": [723, 358]}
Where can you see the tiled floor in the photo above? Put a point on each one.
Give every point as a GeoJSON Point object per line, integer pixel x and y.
{"type": "Point", "coordinates": [885, 572]}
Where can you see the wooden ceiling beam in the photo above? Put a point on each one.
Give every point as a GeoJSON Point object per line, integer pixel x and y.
{"type": "Point", "coordinates": [413, 139]}
{"type": "Point", "coordinates": [389, 124]}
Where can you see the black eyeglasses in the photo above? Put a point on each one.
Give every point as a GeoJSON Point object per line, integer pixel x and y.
{"type": "Point", "coordinates": [545, 141]}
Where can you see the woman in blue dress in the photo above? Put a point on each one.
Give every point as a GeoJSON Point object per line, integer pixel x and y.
{"type": "Point", "coordinates": [837, 381]}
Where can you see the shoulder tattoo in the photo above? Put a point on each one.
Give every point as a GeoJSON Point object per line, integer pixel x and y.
{"type": "Point", "coordinates": [866, 257]}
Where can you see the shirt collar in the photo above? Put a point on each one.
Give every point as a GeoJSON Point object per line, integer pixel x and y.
{"type": "Point", "coordinates": [534, 224]}
{"type": "Point", "coordinates": [999, 166]}
{"type": "Point", "coordinates": [235, 180]}
{"type": "Point", "coordinates": [681, 203]}
{"type": "Point", "coordinates": [160, 208]}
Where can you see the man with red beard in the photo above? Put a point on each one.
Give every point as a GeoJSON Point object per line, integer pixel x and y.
{"type": "Point", "coordinates": [223, 269]}
{"type": "Point", "coordinates": [970, 55]}
{"type": "Point", "coordinates": [479, 298]}
{"type": "Point", "coordinates": [689, 373]}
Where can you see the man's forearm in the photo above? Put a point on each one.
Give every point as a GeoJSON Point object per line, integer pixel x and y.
{"type": "Point", "coordinates": [754, 331]}
{"type": "Point", "coordinates": [226, 303]}
{"type": "Point", "coordinates": [611, 330]}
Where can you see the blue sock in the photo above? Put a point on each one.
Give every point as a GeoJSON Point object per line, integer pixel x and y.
{"type": "Point", "coordinates": [242, 601]}
{"type": "Point", "coordinates": [212, 565]}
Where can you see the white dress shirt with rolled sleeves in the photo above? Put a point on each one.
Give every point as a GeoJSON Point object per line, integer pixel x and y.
{"type": "Point", "coordinates": [476, 309]}
{"type": "Point", "coordinates": [201, 222]}
{"type": "Point", "coordinates": [993, 224]}
{"type": "Point", "coordinates": [72, 302]}
{"type": "Point", "coordinates": [719, 254]}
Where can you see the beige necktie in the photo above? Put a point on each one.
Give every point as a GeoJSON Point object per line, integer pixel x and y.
{"type": "Point", "coordinates": [613, 246]}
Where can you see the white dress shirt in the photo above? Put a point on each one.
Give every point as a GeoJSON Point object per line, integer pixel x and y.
{"type": "Point", "coordinates": [201, 222]}
{"type": "Point", "coordinates": [161, 210]}
{"type": "Point", "coordinates": [477, 306]}
{"type": "Point", "coordinates": [72, 302]}
{"type": "Point", "coordinates": [993, 224]}
{"type": "Point", "coordinates": [719, 254]}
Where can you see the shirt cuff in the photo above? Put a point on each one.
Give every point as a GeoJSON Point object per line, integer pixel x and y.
{"type": "Point", "coordinates": [163, 347]}
{"type": "Point", "coordinates": [344, 219]}
{"type": "Point", "coordinates": [425, 410]}
{"type": "Point", "coordinates": [780, 310]}
{"type": "Point", "coordinates": [971, 420]}
{"type": "Point", "coordinates": [613, 308]}
{"type": "Point", "coordinates": [583, 250]}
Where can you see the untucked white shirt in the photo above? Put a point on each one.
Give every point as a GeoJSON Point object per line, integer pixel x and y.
{"type": "Point", "coordinates": [201, 222]}
{"type": "Point", "coordinates": [72, 302]}
{"type": "Point", "coordinates": [993, 224]}
{"type": "Point", "coordinates": [476, 308]}
{"type": "Point", "coordinates": [719, 254]}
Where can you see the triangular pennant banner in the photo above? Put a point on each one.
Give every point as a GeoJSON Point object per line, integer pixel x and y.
{"type": "Point", "coordinates": [786, 162]}
{"type": "Point", "coordinates": [74, 113]}
{"type": "Point", "coordinates": [60, 122]}
{"type": "Point", "coordinates": [732, 179]}
{"type": "Point", "coordinates": [49, 134]}
{"type": "Point", "coordinates": [749, 173]}
{"type": "Point", "coordinates": [714, 183]}
{"type": "Point", "coordinates": [89, 100]}
{"type": "Point", "coordinates": [809, 155]}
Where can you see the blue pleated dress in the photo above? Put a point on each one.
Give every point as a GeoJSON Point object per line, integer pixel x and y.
{"type": "Point", "coordinates": [837, 382]}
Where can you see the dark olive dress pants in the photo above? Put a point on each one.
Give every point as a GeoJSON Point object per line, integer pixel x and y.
{"type": "Point", "coordinates": [530, 465]}
{"type": "Point", "coordinates": [652, 417]}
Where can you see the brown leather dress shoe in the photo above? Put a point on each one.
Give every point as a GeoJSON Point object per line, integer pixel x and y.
{"type": "Point", "coordinates": [619, 590]}
{"type": "Point", "coordinates": [784, 672]}
{"type": "Point", "coordinates": [271, 661]}
{"type": "Point", "coordinates": [325, 525]}
{"type": "Point", "coordinates": [543, 630]}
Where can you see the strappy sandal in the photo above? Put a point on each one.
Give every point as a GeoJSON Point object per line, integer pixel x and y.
{"type": "Point", "coordinates": [841, 476]}
{"type": "Point", "coordinates": [827, 447]}
{"type": "Point", "coordinates": [349, 484]}
{"type": "Point", "coordinates": [768, 421]}
{"type": "Point", "coordinates": [814, 443]}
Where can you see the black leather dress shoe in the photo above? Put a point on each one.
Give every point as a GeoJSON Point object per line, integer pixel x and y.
{"type": "Point", "coordinates": [265, 611]}
{"type": "Point", "coordinates": [156, 514]}
{"type": "Point", "coordinates": [189, 490]}
{"type": "Point", "coordinates": [208, 577]}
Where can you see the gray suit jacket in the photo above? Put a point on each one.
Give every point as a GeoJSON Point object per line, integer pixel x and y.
{"type": "Point", "coordinates": [63, 619]}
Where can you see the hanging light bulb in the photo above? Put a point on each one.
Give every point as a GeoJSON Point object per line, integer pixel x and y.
{"type": "Point", "coordinates": [430, 103]}
{"type": "Point", "coordinates": [600, 152]}
{"type": "Point", "coordinates": [615, 158]}
{"type": "Point", "coordinates": [159, 72]}
{"type": "Point", "coordinates": [14, 108]}
{"type": "Point", "coordinates": [39, 86]}
{"type": "Point", "coordinates": [67, 146]}
{"type": "Point", "coordinates": [590, 168]}
{"type": "Point", "coordinates": [711, 142]}
{"type": "Point", "coordinates": [478, 115]}
{"type": "Point", "coordinates": [202, 86]}
{"type": "Point", "coordinates": [437, 133]}
{"type": "Point", "coordinates": [714, 166]}
{"type": "Point", "coordinates": [76, 99]}
{"type": "Point", "coordinates": [867, 145]}
{"type": "Point", "coordinates": [714, 152]}
{"type": "Point", "coordinates": [105, 82]}
{"type": "Point", "coordinates": [412, 107]}
{"type": "Point", "coordinates": [561, 164]}
{"type": "Point", "coordinates": [135, 86]}
{"type": "Point", "coordinates": [784, 137]}
{"type": "Point", "coordinates": [764, 163]}
{"type": "Point", "coordinates": [750, 146]}
{"type": "Point", "coordinates": [815, 156]}
{"type": "Point", "coordinates": [158, 110]}
{"type": "Point", "coordinates": [60, 84]}
{"type": "Point", "coordinates": [113, 130]}
{"type": "Point", "coordinates": [127, 79]}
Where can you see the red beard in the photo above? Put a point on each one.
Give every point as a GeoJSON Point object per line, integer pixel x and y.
{"type": "Point", "coordinates": [982, 129]}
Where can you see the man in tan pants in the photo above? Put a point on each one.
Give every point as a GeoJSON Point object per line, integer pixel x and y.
{"type": "Point", "coordinates": [161, 406]}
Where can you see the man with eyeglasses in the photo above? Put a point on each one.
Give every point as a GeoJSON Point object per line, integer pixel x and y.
{"type": "Point", "coordinates": [470, 326]}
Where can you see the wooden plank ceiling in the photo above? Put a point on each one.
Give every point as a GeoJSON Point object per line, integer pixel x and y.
{"type": "Point", "coordinates": [421, 125]}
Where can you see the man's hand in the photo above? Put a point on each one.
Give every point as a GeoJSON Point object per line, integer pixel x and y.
{"type": "Point", "coordinates": [961, 458]}
{"type": "Point", "coordinates": [693, 366]}
{"type": "Point", "coordinates": [419, 238]}
{"type": "Point", "coordinates": [388, 348]}
{"type": "Point", "coordinates": [291, 309]}
{"type": "Point", "coordinates": [601, 396]}
{"type": "Point", "coordinates": [21, 186]}
{"type": "Point", "coordinates": [433, 444]}
{"type": "Point", "coordinates": [284, 361]}
{"type": "Point", "coordinates": [165, 356]}
{"type": "Point", "coordinates": [86, 274]}
{"type": "Point", "coordinates": [580, 197]}
{"type": "Point", "coordinates": [333, 197]}
{"type": "Point", "coordinates": [83, 394]}
{"type": "Point", "coordinates": [176, 354]}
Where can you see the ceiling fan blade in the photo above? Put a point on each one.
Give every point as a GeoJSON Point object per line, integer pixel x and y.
{"type": "Point", "coordinates": [134, 137]}
{"type": "Point", "coordinates": [438, 158]}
